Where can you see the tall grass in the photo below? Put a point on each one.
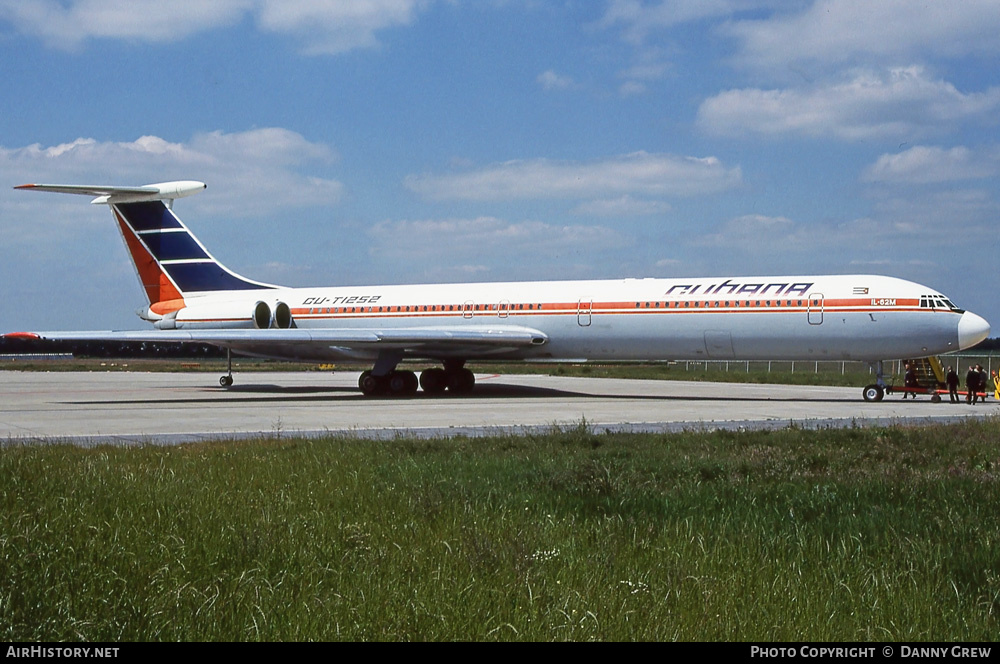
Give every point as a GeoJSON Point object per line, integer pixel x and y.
{"type": "Point", "coordinates": [883, 533]}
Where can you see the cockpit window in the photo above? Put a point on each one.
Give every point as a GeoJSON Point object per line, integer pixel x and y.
{"type": "Point", "coordinates": [938, 302]}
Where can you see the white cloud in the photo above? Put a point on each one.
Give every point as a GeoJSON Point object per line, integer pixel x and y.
{"type": "Point", "coordinates": [650, 66]}
{"type": "Point", "coordinates": [335, 26]}
{"type": "Point", "coordinates": [492, 247]}
{"type": "Point", "coordinates": [846, 31]}
{"type": "Point", "coordinates": [275, 145]}
{"type": "Point", "coordinates": [638, 19]}
{"type": "Point", "coordinates": [320, 26]}
{"type": "Point", "coordinates": [624, 206]}
{"type": "Point", "coordinates": [755, 231]}
{"type": "Point", "coordinates": [549, 80]}
{"type": "Point", "coordinates": [822, 31]}
{"type": "Point", "coordinates": [638, 173]}
{"type": "Point", "coordinates": [950, 217]}
{"type": "Point", "coordinates": [929, 224]}
{"type": "Point", "coordinates": [249, 173]}
{"type": "Point", "coordinates": [486, 236]}
{"type": "Point", "coordinates": [68, 24]}
{"type": "Point", "coordinates": [902, 101]}
{"type": "Point", "coordinates": [632, 88]}
{"type": "Point", "coordinates": [926, 164]}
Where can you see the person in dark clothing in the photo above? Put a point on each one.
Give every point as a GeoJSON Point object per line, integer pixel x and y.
{"type": "Point", "coordinates": [984, 381]}
{"type": "Point", "coordinates": [910, 382]}
{"type": "Point", "coordinates": [952, 381]}
{"type": "Point", "coordinates": [971, 385]}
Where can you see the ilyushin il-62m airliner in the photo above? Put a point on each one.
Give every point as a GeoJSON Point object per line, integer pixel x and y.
{"type": "Point", "coordinates": [193, 297]}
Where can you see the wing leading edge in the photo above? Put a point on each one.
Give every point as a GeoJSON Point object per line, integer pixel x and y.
{"type": "Point", "coordinates": [405, 339]}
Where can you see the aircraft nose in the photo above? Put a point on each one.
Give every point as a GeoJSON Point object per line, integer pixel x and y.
{"type": "Point", "coordinates": [971, 330]}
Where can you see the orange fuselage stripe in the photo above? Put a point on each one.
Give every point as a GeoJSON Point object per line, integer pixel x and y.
{"type": "Point", "coordinates": [795, 305]}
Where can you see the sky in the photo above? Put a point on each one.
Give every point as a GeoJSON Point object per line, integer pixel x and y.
{"type": "Point", "coordinates": [428, 141]}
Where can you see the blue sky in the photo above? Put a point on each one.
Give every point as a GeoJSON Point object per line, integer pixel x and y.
{"type": "Point", "coordinates": [397, 141]}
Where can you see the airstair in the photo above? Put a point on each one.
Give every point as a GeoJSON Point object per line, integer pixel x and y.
{"type": "Point", "coordinates": [930, 379]}
{"type": "Point", "coordinates": [930, 373]}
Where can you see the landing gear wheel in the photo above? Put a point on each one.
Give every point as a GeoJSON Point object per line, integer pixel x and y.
{"type": "Point", "coordinates": [873, 393]}
{"type": "Point", "coordinates": [226, 381]}
{"type": "Point", "coordinates": [935, 398]}
{"type": "Point", "coordinates": [371, 385]}
{"type": "Point", "coordinates": [402, 383]}
{"type": "Point", "coordinates": [433, 381]}
{"type": "Point", "coordinates": [461, 381]}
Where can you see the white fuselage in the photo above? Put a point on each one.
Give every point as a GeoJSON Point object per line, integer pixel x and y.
{"type": "Point", "coordinates": [854, 317]}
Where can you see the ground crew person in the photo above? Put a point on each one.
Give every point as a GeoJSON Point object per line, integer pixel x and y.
{"type": "Point", "coordinates": [952, 381]}
{"type": "Point", "coordinates": [971, 385]}
{"type": "Point", "coordinates": [910, 382]}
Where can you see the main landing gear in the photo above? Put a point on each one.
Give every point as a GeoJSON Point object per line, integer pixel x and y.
{"type": "Point", "coordinates": [454, 378]}
{"type": "Point", "coordinates": [385, 380]}
{"type": "Point", "coordinates": [876, 391]}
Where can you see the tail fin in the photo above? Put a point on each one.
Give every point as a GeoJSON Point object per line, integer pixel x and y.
{"type": "Point", "coordinates": [170, 261]}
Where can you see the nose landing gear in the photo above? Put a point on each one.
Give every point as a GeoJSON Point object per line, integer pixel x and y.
{"type": "Point", "coordinates": [227, 380]}
{"type": "Point", "coordinates": [875, 392]}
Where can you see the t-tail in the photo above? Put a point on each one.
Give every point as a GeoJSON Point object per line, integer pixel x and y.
{"type": "Point", "coordinates": [171, 263]}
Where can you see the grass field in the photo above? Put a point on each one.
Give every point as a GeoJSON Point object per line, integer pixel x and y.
{"type": "Point", "coordinates": [838, 535]}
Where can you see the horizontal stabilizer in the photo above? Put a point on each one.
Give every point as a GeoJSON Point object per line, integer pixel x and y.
{"type": "Point", "coordinates": [163, 191]}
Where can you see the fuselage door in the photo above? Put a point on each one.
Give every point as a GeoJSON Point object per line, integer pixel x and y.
{"type": "Point", "coordinates": [467, 309]}
{"type": "Point", "coordinates": [814, 309]}
{"type": "Point", "coordinates": [584, 311]}
{"type": "Point", "coordinates": [719, 344]}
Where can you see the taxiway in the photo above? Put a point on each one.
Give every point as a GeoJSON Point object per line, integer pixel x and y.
{"type": "Point", "coordinates": [166, 408]}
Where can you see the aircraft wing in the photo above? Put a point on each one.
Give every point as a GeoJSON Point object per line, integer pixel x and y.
{"type": "Point", "coordinates": [441, 338]}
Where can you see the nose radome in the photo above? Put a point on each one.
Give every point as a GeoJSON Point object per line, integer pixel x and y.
{"type": "Point", "coordinates": [971, 330]}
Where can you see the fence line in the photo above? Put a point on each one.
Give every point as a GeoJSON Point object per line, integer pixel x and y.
{"type": "Point", "coordinates": [960, 362]}
{"type": "Point", "coordinates": [35, 356]}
